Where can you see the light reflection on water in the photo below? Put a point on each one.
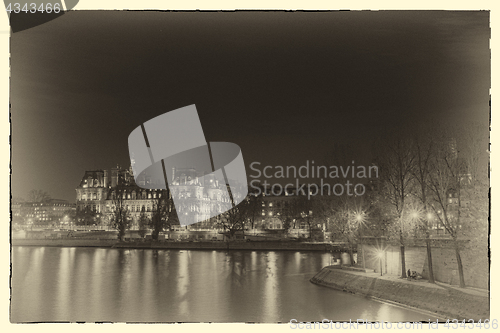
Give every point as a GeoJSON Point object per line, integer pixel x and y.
{"type": "Point", "coordinates": [93, 284]}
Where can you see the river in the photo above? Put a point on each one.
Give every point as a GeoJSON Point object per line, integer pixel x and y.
{"type": "Point", "coordinates": [118, 285]}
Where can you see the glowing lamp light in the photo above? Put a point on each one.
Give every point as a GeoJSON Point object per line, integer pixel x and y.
{"type": "Point", "coordinates": [429, 216]}
{"type": "Point", "coordinates": [380, 254]}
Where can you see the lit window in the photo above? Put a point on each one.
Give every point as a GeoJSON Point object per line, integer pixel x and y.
{"type": "Point", "coordinates": [263, 213]}
{"type": "Point", "coordinates": [270, 213]}
{"type": "Point", "coordinates": [270, 204]}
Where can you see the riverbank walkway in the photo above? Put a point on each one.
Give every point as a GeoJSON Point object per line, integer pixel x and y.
{"type": "Point", "coordinates": [440, 299]}
{"type": "Point", "coordinates": [420, 282]}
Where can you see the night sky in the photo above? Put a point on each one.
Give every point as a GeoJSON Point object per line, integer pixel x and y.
{"type": "Point", "coordinates": [284, 86]}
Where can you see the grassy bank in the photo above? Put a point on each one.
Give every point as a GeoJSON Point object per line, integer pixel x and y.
{"type": "Point", "coordinates": [445, 301]}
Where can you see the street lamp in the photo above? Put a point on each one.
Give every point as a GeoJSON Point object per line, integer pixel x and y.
{"type": "Point", "coordinates": [358, 217]}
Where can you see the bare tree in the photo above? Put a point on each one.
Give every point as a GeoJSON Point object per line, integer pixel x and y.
{"type": "Point", "coordinates": [475, 193]}
{"type": "Point", "coordinates": [17, 199]}
{"type": "Point", "coordinates": [85, 216]}
{"type": "Point", "coordinates": [323, 207]}
{"type": "Point", "coordinates": [424, 146]}
{"type": "Point", "coordinates": [120, 218]}
{"type": "Point", "coordinates": [345, 216]}
{"type": "Point", "coordinates": [234, 219]}
{"type": "Point", "coordinates": [164, 213]}
{"type": "Point", "coordinates": [288, 211]}
{"type": "Point", "coordinates": [344, 224]}
{"type": "Point", "coordinates": [445, 184]}
{"type": "Point", "coordinates": [458, 184]}
{"type": "Point", "coordinates": [38, 196]}
{"type": "Point", "coordinates": [396, 162]}
{"type": "Point", "coordinates": [474, 151]}
{"type": "Point", "coordinates": [254, 208]}
{"type": "Point", "coordinates": [144, 222]}
{"type": "Point", "coordinates": [303, 208]}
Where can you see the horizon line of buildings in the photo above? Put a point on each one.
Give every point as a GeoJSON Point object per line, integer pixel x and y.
{"type": "Point", "coordinates": [97, 190]}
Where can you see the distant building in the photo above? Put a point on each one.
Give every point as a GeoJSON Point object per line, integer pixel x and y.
{"type": "Point", "coordinates": [93, 190]}
{"type": "Point", "coordinates": [272, 204]}
{"type": "Point", "coordinates": [98, 188]}
{"type": "Point", "coordinates": [49, 213]}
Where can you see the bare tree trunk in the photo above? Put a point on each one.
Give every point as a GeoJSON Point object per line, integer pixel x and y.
{"type": "Point", "coordinates": [363, 254]}
{"type": "Point", "coordinates": [154, 234]}
{"type": "Point", "coordinates": [427, 238]}
{"type": "Point", "coordinates": [429, 258]}
{"type": "Point", "coordinates": [401, 241]}
{"type": "Point", "coordinates": [403, 265]}
{"type": "Point", "coordinates": [460, 266]}
{"type": "Point", "coordinates": [121, 233]}
{"type": "Point", "coordinates": [457, 250]}
{"type": "Point", "coordinates": [351, 257]}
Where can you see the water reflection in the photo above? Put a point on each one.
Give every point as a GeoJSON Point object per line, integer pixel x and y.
{"type": "Point", "coordinates": [183, 282]}
{"type": "Point", "coordinates": [85, 284]}
{"type": "Point", "coordinates": [271, 289]}
{"type": "Point", "coordinates": [63, 282]}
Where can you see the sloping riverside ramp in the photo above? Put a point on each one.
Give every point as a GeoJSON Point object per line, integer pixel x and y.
{"type": "Point", "coordinates": [445, 301]}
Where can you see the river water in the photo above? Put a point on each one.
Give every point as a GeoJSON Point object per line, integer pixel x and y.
{"type": "Point", "coordinates": [118, 285]}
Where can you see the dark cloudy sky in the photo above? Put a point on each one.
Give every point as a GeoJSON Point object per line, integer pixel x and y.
{"type": "Point", "coordinates": [283, 86]}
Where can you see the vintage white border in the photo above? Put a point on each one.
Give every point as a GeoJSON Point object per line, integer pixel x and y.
{"type": "Point", "coordinates": [216, 5]}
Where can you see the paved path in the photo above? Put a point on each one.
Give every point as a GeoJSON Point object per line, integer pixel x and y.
{"type": "Point", "coordinates": [421, 282]}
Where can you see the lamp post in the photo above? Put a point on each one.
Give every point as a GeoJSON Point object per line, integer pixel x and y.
{"type": "Point", "coordinates": [360, 217]}
{"type": "Point", "coordinates": [380, 255]}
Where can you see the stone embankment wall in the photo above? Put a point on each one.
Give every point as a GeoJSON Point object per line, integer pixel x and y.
{"type": "Point", "coordinates": [216, 245]}
{"type": "Point", "coordinates": [65, 242]}
{"type": "Point", "coordinates": [476, 267]}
